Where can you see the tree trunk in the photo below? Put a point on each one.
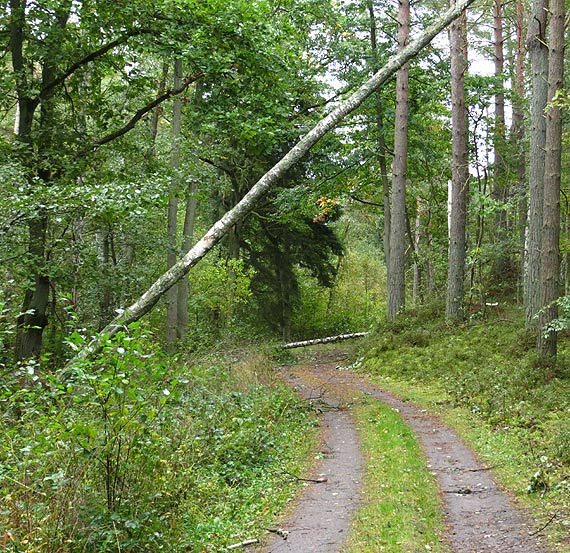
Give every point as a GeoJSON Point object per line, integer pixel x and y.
{"type": "Point", "coordinates": [455, 309]}
{"type": "Point", "coordinates": [397, 259]}
{"type": "Point", "coordinates": [105, 267]}
{"type": "Point", "coordinates": [31, 323]}
{"type": "Point", "coordinates": [550, 242]}
{"type": "Point", "coordinates": [501, 270]}
{"type": "Point", "coordinates": [187, 239]}
{"type": "Point", "coordinates": [538, 53]}
{"type": "Point", "coordinates": [34, 319]}
{"type": "Point", "coordinates": [172, 254]}
{"type": "Point", "coordinates": [382, 162]}
{"type": "Point", "coordinates": [518, 133]}
{"type": "Point", "coordinates": [417, 289]}
{"type": "Point", "coordinates": [149, 299]}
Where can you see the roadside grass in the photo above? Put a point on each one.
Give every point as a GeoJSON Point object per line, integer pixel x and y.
{"type": "Point", "coordinates": [402, 510]}
{"type": "Point", "coordinates": [257, 432]}
{"type": "Point", "coordinates": [484, 379]}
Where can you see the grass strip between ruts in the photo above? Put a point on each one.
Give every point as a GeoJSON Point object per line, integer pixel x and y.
{"type": "Point", "coordinates": [402, 509]}
{"type": "Point", "coordinates": [506, 453]}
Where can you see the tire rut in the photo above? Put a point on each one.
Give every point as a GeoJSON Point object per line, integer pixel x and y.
{"type": "Point", "coordinates": [322, 514]}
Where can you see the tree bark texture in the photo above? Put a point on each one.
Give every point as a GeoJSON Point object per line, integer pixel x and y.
{"type": "Point", "coordinates": [147, 301]}
{"type": "Point", "coordinates": [518, 132]}
{"type": "Point", "coordinates": [187, 240]}
{"type": "Point", "coordinates": [455, 309]}
{"type": "Point", "coordinates": [501, 270]}
{"type": "Point", "coordinates": [382, 161]}
{"type": "Point", "coordinates": [550, 239]}
{"type": "Point", "coordinates": [538, 54]}
{"type": "Point", "coordinates": [397, 262]}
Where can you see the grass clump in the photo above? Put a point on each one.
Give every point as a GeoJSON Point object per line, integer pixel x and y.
{"type": "Point", "coordinates": [486, 380]}
{"type": "Point", "coordinates": [403, 510]}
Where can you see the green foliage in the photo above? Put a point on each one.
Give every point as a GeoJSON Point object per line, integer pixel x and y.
{"type": "Point", "coordinates": [221, 286]}
{"type": "Point", "coordinates": [133, 451]}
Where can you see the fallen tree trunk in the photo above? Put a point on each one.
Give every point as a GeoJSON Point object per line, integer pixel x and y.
{"type": "Point", "coordinates": [327, 340]}
{"type": "Point", "coordinates": [149, 299]}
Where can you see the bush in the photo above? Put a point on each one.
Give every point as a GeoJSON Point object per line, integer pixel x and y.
{"type": "Point", "coordinates": [134, 452]}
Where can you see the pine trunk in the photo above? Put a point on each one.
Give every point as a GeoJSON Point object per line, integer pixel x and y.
{"type": "Point", "coordinates": [382, 161]}
{"type": "Point", "coordinates": [455, 309]}
{"type": "Point", "coordinates": [550, 243]}
{"type": "Point", "coordinates": [538, 54]}
{"type": "Point", "coordinates": [518, 133]}
{"type": "Point", "coordinates": [501, 271]}
{"type": "Point", "coordinates": [397, 259]}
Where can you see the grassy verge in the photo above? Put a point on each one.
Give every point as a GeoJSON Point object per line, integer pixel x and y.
{"type": "Point", "coordinates": [402, 510]}
{"type": "Point", "coordinates": [484, 379]}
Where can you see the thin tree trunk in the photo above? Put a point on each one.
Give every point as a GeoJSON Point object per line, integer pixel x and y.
{"type": "Point", "coordinates": [518, 132]}
{"type": "Point", "coordinates": [417, 289]}
{"type": "Point", "coordinates": [106, 302]}
{"type": "Point", "coordinates": [187, 239]}
{"type": "Point", "coordinates": [157, 111]}
{"type": "Point", "coordinates": [382, 161]}
{"type": "Point", "coordinates": [149, 299]}
{"type": "Point", "coordinates": [455, 309]}
{"type": "Point", "coordinates": [171, 257]}
{"type": "Point", "coordinates": [550, 243]}
{"type": "Point", "coordinates": [538, 54]}
{"type": "Point", "coordinates": [501, 270]}
{"type": "Point", "coordinates": [397, 259]}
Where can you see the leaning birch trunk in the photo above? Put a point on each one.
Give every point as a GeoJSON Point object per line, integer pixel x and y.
{"type": "Point", "coordinates": [147, 301]}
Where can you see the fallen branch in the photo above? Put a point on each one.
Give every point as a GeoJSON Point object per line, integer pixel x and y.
{"type": "Point", "coordinates": [243, 543]}
{"type": "Point", "coordinates": [327, 340]}
{"type": "Point", "coordinates": [279, 531]}
{"type": "Point", "coordinates": [543, 527]}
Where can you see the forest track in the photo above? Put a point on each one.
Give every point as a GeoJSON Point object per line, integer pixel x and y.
{"type": "Point", "coordinates": [480, 517]}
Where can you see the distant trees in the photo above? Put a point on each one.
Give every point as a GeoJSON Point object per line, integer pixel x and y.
{"type": "Point", "coordinates": [115, 134]}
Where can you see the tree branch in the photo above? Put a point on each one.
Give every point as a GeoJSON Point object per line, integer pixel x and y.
{"type": "Point", "coordinates": [143, 111]}
{"type": "Point", "coordinates": [60, 79]}
{"type": "Point", "coordinates": [365, 202]}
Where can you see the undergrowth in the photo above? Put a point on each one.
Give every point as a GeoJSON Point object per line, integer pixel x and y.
{"type": "Point", "coordinates": [486, 379]}
{"type": "Point", "coordinates": [135, 451]}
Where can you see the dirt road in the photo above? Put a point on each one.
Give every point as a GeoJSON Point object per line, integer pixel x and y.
{"type": "Point", "coordinates": [479, 516]}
